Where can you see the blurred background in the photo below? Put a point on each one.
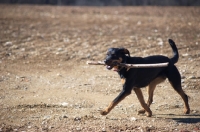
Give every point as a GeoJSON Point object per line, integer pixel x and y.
{"type": "Point", "coordinates": [107, 2]}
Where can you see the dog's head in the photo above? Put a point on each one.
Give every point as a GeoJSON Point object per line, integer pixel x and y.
{"type": "Point", "coordinates": [115, 56]}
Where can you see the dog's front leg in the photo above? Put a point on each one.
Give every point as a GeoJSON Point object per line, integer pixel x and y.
{"type": "Point", "coordinates": [119, 98]}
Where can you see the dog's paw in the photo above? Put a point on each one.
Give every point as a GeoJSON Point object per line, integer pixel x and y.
{"type": "Point", "coordinates": [141, 111]}
{"type": "Point", "coordinates": [149, 114]}
{"type": "Point", "coordinates": [186, 111]}
{"type": "Point", "coordinates": [104, 112]}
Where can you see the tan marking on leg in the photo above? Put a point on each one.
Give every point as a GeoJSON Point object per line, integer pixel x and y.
{"type": "Point", "coordinates": [113, 104]}
{"type": "Point", "coordinates": [185, 99]}
{"type": "Point", "coordinates": [108, 109]}
{"type": "Point", "coordinates": [123, 80]}
{"type": "Point", "coordinates": [152, 87]}
{"type": "Point", "coordinates": [150, 90]}
{"type": "Point", "coordinates": [142, 102]}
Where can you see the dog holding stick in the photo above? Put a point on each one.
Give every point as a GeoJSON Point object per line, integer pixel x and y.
{"type": "Point", "coordinates": [136, 78]}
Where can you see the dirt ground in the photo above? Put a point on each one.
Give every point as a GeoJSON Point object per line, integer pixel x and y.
{"type": "Point", "coordinates": [46, 85]}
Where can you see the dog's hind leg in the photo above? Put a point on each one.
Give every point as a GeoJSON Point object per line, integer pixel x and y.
{"type": "Point", "coordinates": [175, 80]}
{"type": "Point", "coordinates": [142, 102]}
{"type": "Point", "coordinates": [150, 91]}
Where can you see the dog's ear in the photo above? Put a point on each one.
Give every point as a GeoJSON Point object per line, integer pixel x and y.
{"type": "Point", "coordinates": [125, 51]}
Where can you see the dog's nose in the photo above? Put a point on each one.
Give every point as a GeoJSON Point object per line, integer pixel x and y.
{"type": "Point", "coordinates": [106, 61]}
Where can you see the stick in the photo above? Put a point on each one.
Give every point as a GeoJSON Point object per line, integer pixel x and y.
{"type": "Point", "coordinates": [144, 65]}
{"type": "Point", "coordinates": [131, 65]}
{"type": "Point", "coordinates": [96, 63]}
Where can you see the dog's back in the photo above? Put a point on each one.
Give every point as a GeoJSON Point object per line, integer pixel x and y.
{"type": "Point", "coordinates": [141, 77]}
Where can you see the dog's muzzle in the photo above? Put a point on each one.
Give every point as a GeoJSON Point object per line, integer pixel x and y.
{"type": "Point", "coordinates": [110, 64]}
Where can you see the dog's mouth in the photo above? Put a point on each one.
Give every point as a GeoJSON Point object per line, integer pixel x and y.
{"type": "Point", "coordinates": [112, 67]}
{"type": "Point", "coordinates": [109, 67]}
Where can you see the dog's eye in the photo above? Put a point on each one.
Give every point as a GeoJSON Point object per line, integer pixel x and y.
{"type": "Point", "coordinates": [114, 55]}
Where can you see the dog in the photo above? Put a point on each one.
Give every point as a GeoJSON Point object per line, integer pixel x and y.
{"type": "Point", "coordinates": [137, 78]}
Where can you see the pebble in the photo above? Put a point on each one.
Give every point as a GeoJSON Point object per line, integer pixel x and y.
{"type": "Point", "coordinates": [78, 129]}
{"type": "Point", "coordinates": [194, 111]}
{"type": "Point", "coordinates": [133, 119]}
{"type": "Point", "coordinates": [192, 77]}
{"type": "Point", "coordinates": [77, 118]}
{"type": "Point", "coordinates": [47, 117]}
{"type": "Point", "coordinates": [8, 43]}
{"type": "Point", "coordinates": [183, 77]}
{"type": "Point", "coordinates": [65, 104]}
{"type": "Point", "coordinates": [64, 116]}
{"type": "Point", "coordinates": [184, 55]}
{"type": "Point", "coordinates": [131, 106]}
{"type": "Point", "coordinates": [103, 130]}
{"type": "Point", "coordinates": [60, 49]}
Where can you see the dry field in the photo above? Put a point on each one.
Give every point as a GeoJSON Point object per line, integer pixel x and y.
{"type": "Point", "coordinates": [45, 84]}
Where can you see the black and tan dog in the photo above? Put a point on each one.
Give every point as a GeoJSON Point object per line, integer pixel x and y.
{"type": "Point", "coordinates": [136, 78]}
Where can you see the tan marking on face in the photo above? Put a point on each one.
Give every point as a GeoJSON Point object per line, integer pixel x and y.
{"type": "Point", "coordinates": [115, 68]}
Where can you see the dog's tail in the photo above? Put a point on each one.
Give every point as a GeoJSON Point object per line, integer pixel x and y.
{"type": "Point", "coordinates": [174, 59]}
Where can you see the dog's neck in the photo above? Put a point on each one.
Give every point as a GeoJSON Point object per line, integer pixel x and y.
{"type": "Point", "coordinates": [122, 71]}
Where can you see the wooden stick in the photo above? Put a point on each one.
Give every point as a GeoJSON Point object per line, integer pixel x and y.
{"type": "Point", "coordinates": [144, 65]}
{"type": "Point", "coordinates": [96, 63]}
{"type": "Point", "coordinates": [131, 65]}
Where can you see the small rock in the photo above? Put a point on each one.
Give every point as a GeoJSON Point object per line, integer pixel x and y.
{"type": "Point", "coordinates": [131, 106]}
{"type": "Point", "coordinates": [184, 55]}
{"type": "Point", "coordinates": [47, 117]}
{"type": "Point", "coordinates": [64, 116]}
{"type": "Point", "coordinates": [14, 47]}
{"type": "Point", "coordinates": [139, 23]}
{"type": "Point", "coordinates": [133, 119]}
{"type": "Point", "coordinates": [65, 104]}
{"type": "Point", "coordinates": [114, 40]}
{"type": "Point", "coordinates": [8, 43]}
{"type": "Point", "coordinates": [192, 77]}
{"type": "Point", "coordinates": [103, 129]}
{"type": "Point", "coordinates": [59, 75]}
{"type": "Point", "coordinates": [160, 41]}
{"type": "Point", "coordinates": [183, 77]}
{"type": "Point", "coordinates": [194, 111]}
{"type": "Point", "coordinates": [60, 49]}
{"type": "Point", "coordinates": [78, 129]}
{"type": "Point", "coordinates": [77, 118]}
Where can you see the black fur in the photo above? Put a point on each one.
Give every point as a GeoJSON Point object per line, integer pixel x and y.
{"type": "Point", "coordinates": [141, 77]}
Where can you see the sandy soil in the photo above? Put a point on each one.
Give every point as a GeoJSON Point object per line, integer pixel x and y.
{"type": "Point", "coordinates": [45, 84]}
